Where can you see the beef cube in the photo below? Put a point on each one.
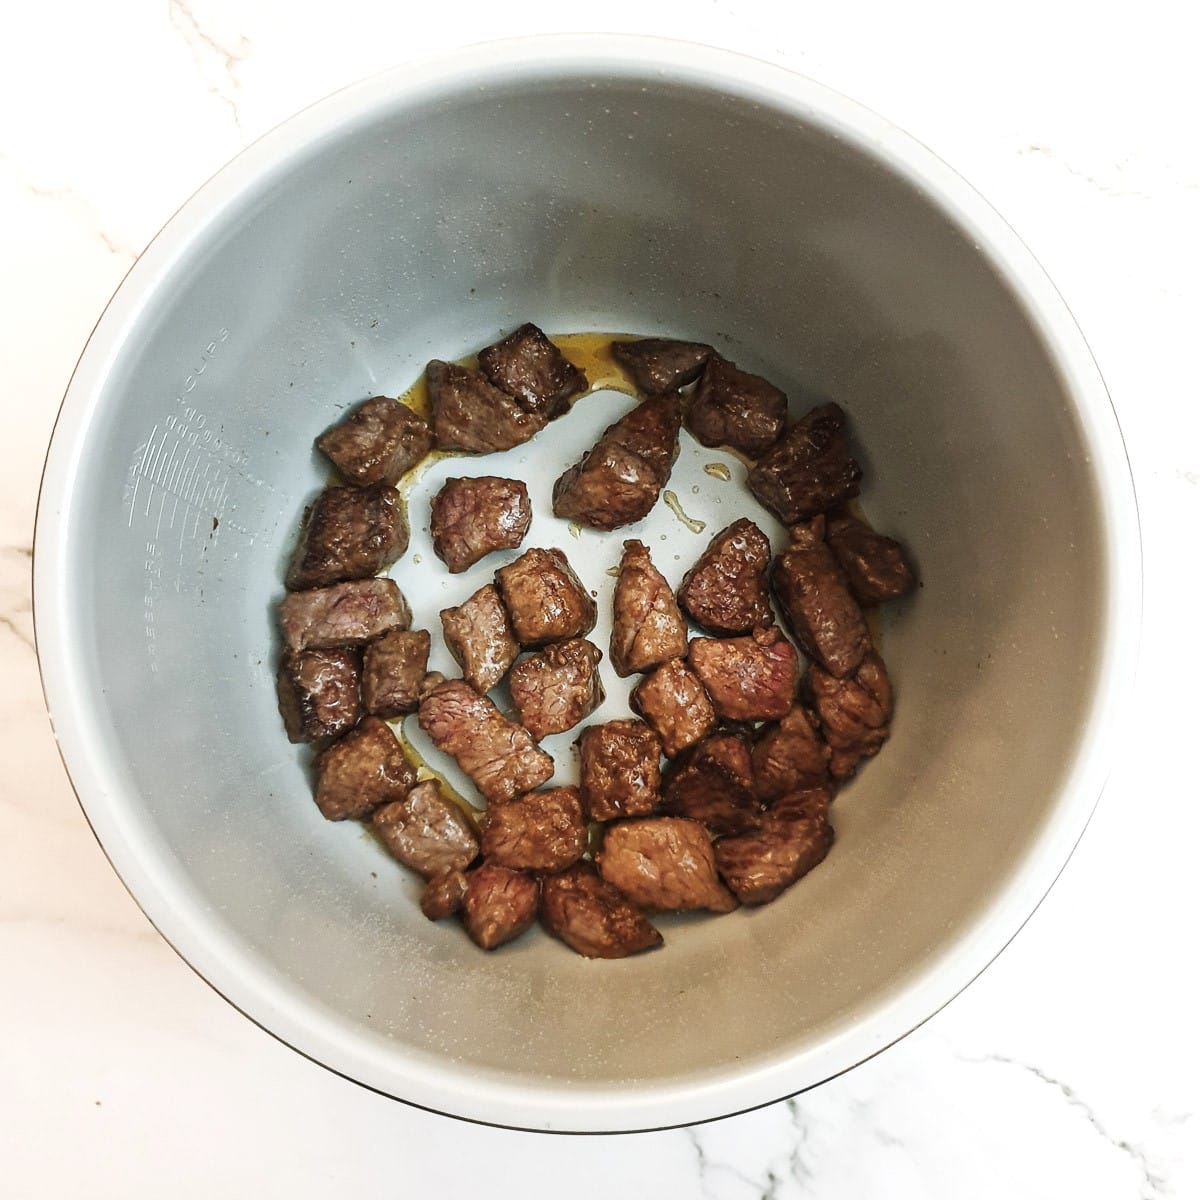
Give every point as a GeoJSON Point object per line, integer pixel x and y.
{"type": "Point", "coordinates": [361, 771]}
{"type": "Point", "coordinates": [393, 668]}
{"type": "Point", "coordinates": [348, 533]}
{"type": "Point", "coordinates": [592, 917]}
{"type": "Point", "coordinates": [713, 784]}
{"type": "Point", "coordinates": [470, 518]}
{"type": "Point", "coordinates": [737, 409]}
{"type": "Point", "coordinates": [544, 598]}
{"type": "Point", "coordinates": [444, 895]}
{"type": "Point", "coordinates": [318, 694]}
{"type": "Point", "coordinates": [675, 706]}
{"type": "Point", "coordinates": [748, 678]}
{"type": "Point", "coordinates": [533, 371]}
{"type": "Point", "coordinates": [427, 831]}
{"type": "Point", "coordinates": [792, 837]}
{"type": "Point", "coordinates": [648, 627]}
{"type": "Point", "coordinates": [817, 603]}
{"type": "Point", "coordinates": [498, 755]}
{"type": "Point", "coordinates": [378, 442]}
{"type": "Point", "coordinates": [875, 566]}
{"type": "Point", "coordinates": [541, 831]}
{"type": "Point", "coordinates": [790, 756]}
{"type": "Point", "coordinates": [479, 636]}
{"type": "Point", "coordinates": [661, 365]}
{"type": "Point", "coordinates": [499, 904]}
{"type": "Point", "coordinates": [663, 864]}
{"type": "Point", "coordinates": [855, 712]}
{"type": "Point", "coordinates": [618, 769]}
{"type": "Point", "coordinates": [557, 687]}
{"type": "Point", "coordinates": [470, 414]}
{"type": "Point", "coordinates": [347, 614]}
{"type": "Point", "coordinates": [619, 479]}
{"type": "Point", "coordinates": [726, 591]}
{"type": "Point", "coordinates": [809, 470]}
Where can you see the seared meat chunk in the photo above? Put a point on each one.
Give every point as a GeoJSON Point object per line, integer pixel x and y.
{"type": "Point", "coordinates": [378, 442]}
{"type": "Point", "coordinates": [619, 479]}
{"type": "Point", "coordinates": [876, 566]}
{"type": "Point", "coordinates": [545, 600]}
{"type": "Point", "coordinates": [318, 693]}
{"type": "Point", "coordinates": [348, 533]}
{"type": "Point", "coordinates": [541, 831]}
{"type": "Point", "coordinates": [347, 614]}
{"type": "Point", "coordinates": [712, 784]}
{"type": "Point", "coordinates": [664, 864]}
{"type": "Point", "coordinates": [748, 678]}
{"type": "Point", "coordinates": [361, 771]}
{"type": "Point", "coordinates": [809, 470]}
{"type": "Point", "coordinates": [499, 756]}
{"type": "Point", "coordinates": [499, 904]}
{"type": "Point", "coordinates": [469, 518]}
{"type": "Point", "coordinates": [737, 409]}
{"type": "Point", "coordinates": [648, 627]}
{"type": "Point", "coordinates": [726, 591]}
{"type": "Point", "coordinates": [532, 369]}
{"type": "Point", "coordinates": [855, 712]}
{"type": "Point", "coordinates": [557, 687]}
{"type": "Point", "coordinates": [661, 365]}
{"type": "Point", "coordinates": [675, 706]}
{"type": "Point", "coordinates": [427, 831]}
{"type": "Point", "coordinates": [470, 414]}
{"type": "Point", "coordinates": [817, 603]}
{"type": "Point", "coordinates": [444, 895]}
{"type": "Point", "coordinates": [592, 917]}
{"type": "Point", "coordinates": [479, 636]}
{"type": "Point", "coordinates": [393, 667]}
{"type": "Point", "coordinates": [618, 769]}
{"type": "Point", "coordinates": [792, 837]}
{"type": "Point", "coordinates": [790, 755]}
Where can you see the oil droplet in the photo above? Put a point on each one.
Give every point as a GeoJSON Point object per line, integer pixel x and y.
{"type": "Point", "coordinates": [717, 471]}
{"type": "Point", "coordinates": [573, 529]}
{"type": "Point", "coordinates": [416, 560]}
{"type": "Point", "coordinates": [674, 505]}
{"type": "Point", "coordinates": [695, 489]}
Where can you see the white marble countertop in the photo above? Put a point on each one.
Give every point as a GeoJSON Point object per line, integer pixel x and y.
{"type": "Point", "coordinates": [1069, 1069]}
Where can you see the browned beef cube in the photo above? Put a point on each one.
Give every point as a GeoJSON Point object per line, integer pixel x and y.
{"type": "Point", "coordinates": [348, 533]}
{"type": "Point", "coordinates": [499, 905]}
{"type": "Point", "coordinates": [648, 627]}
{"type": "Point", "coordinates": [661, 365]}
{"type": "Point", "coordinates": [855, 712]}
{"type": "Point", "coordinates": [347, 614]}
{"type": "Point", "coordinates": [361, 771]}
{"type": "Point", "coordinates": [444, 895]}
{"type": "Point", "coordinates": [378, 442]}
{"type": "Point", "coordinates": [790, 756]}
{"type": "Point", "coordinates": [592, 917]}
{"type": "Point", "coordinates": [479, 636]}
{"type": "Point", "coordinates": [675, 706]}
{"type": "Point", "coordinates": [318, 694]}
{"type": "Point", "coordinates": [427, 831]}
{"type": "Point", "coordinates": [817, 603]}
{"type": "Point", "coordinates": [557, 687]}
{"type": "Point", "coordinates": [737, 409]}
{"type": "Point", "coordinates": [809, 470]}
{"type": "Point", "coordinates": [531, 368]}
{"type": "Point", "coordinates": [748, 678]}
{"type": "Point", "coordinates": [544, 598]}
{"type": "Point", "coordinates": [726, 591]}
{"type": "Point", "coordinates": [619, 479]}
{"type": "Point", "coordinates": [664, 864]}
{"type": "Point", "coordinates": [470, 518]}
{"type": "Point", "coordinates": [792, 837]}
{"type": "Point", "coordinates": [498, 755]}
{"type": "Point", "coordinates": [541, 831]}
{"type": "Point", "coordinates": [713, 784]}
{"type": "Point", "coordinates": [470, 414]}
{"type": "Point", "coordinates": [618, 769]}
{"type": "Point", "coordinates": [875, 565]}
{"type": "Point", "coordinates": [393, 668]}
